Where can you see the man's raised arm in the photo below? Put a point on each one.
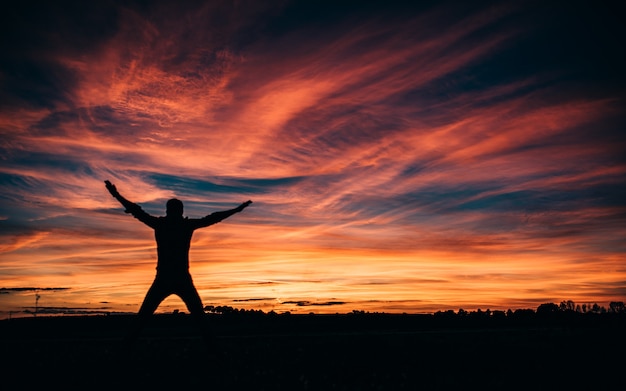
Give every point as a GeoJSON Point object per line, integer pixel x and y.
{"type": "Point", "coordinates": [216, 217]}
{"type": "Point", "coordinates": [131, 207]}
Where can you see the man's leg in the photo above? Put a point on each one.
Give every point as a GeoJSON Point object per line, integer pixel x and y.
{"type": "Point", "coordinates": [191, 298]}
{"type": "Point", "coordinates": [156, 294]}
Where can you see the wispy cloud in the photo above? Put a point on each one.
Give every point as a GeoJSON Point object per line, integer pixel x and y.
{"type": "Point", "coordinates": [431, 142]}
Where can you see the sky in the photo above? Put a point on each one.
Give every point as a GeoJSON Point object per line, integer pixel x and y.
{"type": "Point", "coordinates": [400, 158]}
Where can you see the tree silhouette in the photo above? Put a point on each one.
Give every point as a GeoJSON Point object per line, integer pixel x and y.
{"type": "Point", "coordinates": [547, 309]}
{"type": "Point", "coordinates": [617, 307]}
{"type": "Point", "coordinates": [568, 305]}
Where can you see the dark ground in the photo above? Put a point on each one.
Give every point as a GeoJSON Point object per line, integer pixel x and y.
{"type": "Point", "coordinates": [316, 352]}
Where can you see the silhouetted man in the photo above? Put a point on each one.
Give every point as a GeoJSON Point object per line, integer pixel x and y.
{"type": "Point", "coordinates": [173, 237]}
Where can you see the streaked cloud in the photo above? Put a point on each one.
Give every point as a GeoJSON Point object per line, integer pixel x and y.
{"type": "Point", "coordinates": [404, 158]}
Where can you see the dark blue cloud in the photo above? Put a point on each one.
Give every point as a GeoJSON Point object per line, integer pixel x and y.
{"type": "Point", "coordinates": [29, 289]}
{"type": "Point", "coordinates": [184, 185]}
{"type": "Point", "coordinates": [306, 303]}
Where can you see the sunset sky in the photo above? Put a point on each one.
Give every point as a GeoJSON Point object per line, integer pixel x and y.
{"type": "Point", "coordinates": [399, 158]}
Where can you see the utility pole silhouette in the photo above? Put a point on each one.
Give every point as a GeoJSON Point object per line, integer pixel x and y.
{"type": "Point", "coordinates": [37, 297]}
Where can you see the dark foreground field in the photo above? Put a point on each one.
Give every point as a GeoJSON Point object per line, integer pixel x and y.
{"type": "Point", "coordinates": [316, 352]}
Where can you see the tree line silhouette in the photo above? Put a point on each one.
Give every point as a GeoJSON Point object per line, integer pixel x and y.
{"type": "Point", "coordinates": [565, 315]}
{"type": "Point", "coordinates": [564, 307]}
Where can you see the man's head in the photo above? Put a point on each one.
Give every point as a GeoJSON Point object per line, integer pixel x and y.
{"type": "Point", "coordinates": [174, 207]}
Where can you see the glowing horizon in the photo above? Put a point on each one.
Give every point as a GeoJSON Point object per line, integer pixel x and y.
{"type": "Point", "coordinates": [400, 159]}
